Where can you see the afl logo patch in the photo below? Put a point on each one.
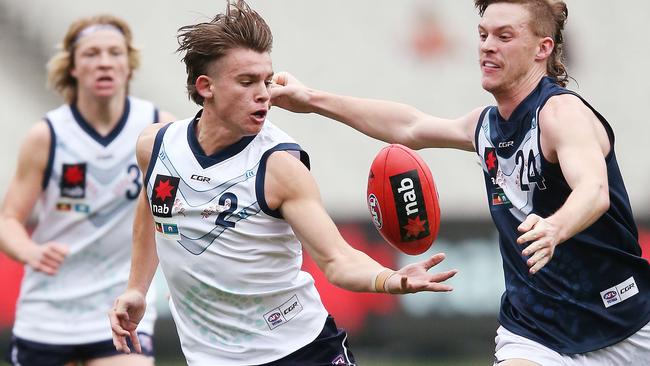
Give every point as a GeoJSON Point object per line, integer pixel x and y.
{"type": "Point", "coordinates": [163, 195]}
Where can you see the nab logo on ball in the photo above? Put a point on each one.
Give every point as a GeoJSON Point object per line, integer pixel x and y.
{"type": "Point", "coordinates": [163, 195]}
{"type": "Point", "coordinates": [73, 180]}
{"type": "Point", "coordinates": [409, 202]}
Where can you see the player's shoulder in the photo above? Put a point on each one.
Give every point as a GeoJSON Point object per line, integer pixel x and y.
{"type": "Point", "coordinates": [39, 135]}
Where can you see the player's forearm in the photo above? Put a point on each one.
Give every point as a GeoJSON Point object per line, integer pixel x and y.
{"type": "Point", "coordinates": [14, 239]}
{"type": "Point", "coordinates": [144, 258]}
{"type": "Point", "coordinates": [586, 204]}
{"type": "Point", "coordinates": [354, 271]}
{"type": "Point", "coordinates": [383, 120]}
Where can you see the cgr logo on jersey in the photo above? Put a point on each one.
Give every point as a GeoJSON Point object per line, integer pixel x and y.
{"type": "Point", "coordinates": [73, 180]}
{"type": "Point", "coordinates": [163, 195]}
{"type": "Point", "coordinates": [409, 203]}
{"type": "Point", "coordinates": [619, 293]}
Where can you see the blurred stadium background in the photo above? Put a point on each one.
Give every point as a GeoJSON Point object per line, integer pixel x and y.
{"type": "Point", "coordinates": [421, 52]}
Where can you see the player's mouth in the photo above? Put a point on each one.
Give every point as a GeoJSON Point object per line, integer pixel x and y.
{"type": "Point", "coordinates": [489, 66]}
{"type": "Point", "coordinates": [259, 115]}
{"type": "Point", "coordinates": [104, 81]}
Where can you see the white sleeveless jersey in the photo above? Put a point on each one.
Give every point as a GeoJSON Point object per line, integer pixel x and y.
{"type": "Point", "coordinates": [232, 264]}
{"type": "Point", "coordinates": [90, 190]}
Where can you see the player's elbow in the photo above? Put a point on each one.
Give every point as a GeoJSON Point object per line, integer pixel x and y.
{"type": "Point", "coordinates": [602, 201]}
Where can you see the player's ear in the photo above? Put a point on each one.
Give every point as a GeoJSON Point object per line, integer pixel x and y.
{"type": "Point", "coordinates": [545, 48]}
{"type": "Point", "coordinates": [203, 86]}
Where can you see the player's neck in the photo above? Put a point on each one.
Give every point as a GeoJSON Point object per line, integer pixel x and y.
{"type": "Point", "coordinates": [101, 114]}
{"type": "Point", "coordinates": [508, 99]}
{"type": "Point", "coordinates": [212, 135]}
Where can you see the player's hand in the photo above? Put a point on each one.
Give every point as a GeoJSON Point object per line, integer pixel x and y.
{"type": "Point", "coordinates": [543, 237]}
{"type": "Point", "coordinates": [46, 258]}
{"type": "Point", "coordinates": [289, 93]}
{"type": "Point", "coordinates": [127, 312]}
{"type": "Point", "coordinates": [415, 278]}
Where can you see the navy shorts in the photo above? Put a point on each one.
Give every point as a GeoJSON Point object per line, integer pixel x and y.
{"type": "Point", "coordinates": [27, 353]}
{"type": "Point", "coordinates": [329, 348]}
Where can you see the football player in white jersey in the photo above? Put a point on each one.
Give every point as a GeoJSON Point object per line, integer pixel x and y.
{"type": "Point", "coordinates": [78, 163]}
{"type": "Point", "coordinates": [224, 204]}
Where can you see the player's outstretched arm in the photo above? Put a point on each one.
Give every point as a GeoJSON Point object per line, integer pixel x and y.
{"type": "Point", "coordinates": [290, 187]}
{"type": "Point", "coordinates": [20, 198]}
{"type": "Point", "coordinates": [570, 136]}
{"type": "Point", "coordinates": [384, 120]}
{"type": "Point", "coordinates": [129, 307]}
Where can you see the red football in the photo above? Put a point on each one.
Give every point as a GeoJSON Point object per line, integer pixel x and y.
{"type": "Point", "coordinates": [403, 200]}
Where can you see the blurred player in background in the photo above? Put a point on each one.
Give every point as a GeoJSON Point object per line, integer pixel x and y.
{"type": "Point", "coordinates": [229, 200]}
{"type": "Point", "coordinates": [577, 290]}
{"type": "Point", "coordinates": [79, 164]}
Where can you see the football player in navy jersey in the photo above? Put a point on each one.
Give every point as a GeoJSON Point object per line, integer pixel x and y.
{"type": "Point", "coordinates": [577, 289]}
{"type": "Point", "coordinates": [227, 206]}
{"type": "Point", "coordinates": [78, 163]}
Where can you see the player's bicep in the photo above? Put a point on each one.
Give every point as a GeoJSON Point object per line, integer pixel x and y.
{"type": "Point", "coordinates": [291, 188]}
{"type": "Point", "coordinates": [27, 183]}
{"type": "Point", "coordinates": [569, 135]}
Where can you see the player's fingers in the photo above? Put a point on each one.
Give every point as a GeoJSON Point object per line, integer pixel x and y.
{"type": "Point", "coordinates": [540, 264]}
{"type": "Point", "coordinates": [48, 270]}
{"type": "Point", "coordinates": [443, 276]}
{"type": "Point", "coordinates": [529, 223]}
{"type": "Point", "coordinates": [281, 78]}
{"type": "Point", "coordinates": [50, 263]}
{"type": "Point", "coordinates": [62, 249]}
{"type": "Point", "coordinates": [530, 236]}
{"type": "Point", "coordinates": [54, 254]}
{"type": "Point", "coordinates": [439, 287]}
{"type": "Point", "coordinates": [537, 256]}
{"type": "Point", "coordinates": [434, 260]}
{"type": "Point", "coordinates": [135, 341]}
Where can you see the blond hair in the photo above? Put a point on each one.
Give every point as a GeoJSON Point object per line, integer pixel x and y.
{"type": "Point", "coordinates": [547, 19]}
{"type": "Point", "coordinates": [60, 66]}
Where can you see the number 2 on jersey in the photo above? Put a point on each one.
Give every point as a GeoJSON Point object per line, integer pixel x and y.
{"type": "Point", "coordinates": [230, 201]}
{"type": "Point", "coordinates": [532, 173]}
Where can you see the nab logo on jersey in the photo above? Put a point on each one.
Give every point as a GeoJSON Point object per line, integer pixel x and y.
{"type": "Point", "coordinates": [163, 195]}
{"type": "Point", "coordinates": [409, 203]}
{"type": "Point", "coordinates": [73, 180]}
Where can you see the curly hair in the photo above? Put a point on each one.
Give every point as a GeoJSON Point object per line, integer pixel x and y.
{"type": "Point", "coordinates": [204, 43]}
{"type": "Point", "coordinates": [60, 66]}
{"type": "Point", "coordinates": [548, 18]}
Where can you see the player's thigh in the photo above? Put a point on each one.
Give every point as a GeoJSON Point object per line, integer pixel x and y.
{"type": "Point", "coordinates": [122, 360]}
{"type": "Point", "coordinates": [517, 362]}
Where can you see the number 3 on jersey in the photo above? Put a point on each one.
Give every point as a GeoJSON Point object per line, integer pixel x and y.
{"type": "Point", "coordinates": [532, 173]}
{"type": "Point", "coordinates": [229, 202]}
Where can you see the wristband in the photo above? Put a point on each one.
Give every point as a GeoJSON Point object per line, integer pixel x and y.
{"type": "Point", "coordinates": [380, 280]}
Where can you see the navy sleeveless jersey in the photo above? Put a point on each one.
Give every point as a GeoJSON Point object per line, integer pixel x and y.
{"type": "Point", "coordinates": [595, 291]}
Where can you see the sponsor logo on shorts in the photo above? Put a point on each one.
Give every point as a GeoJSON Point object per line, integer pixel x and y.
{"type": "Point", "coordinates": [164, 195]}
{"type": "Point", "coordinates": [283, 313]}
{"type": "Point", "coordinates": [73, 180]}
{"type": "Point", "coordinates": [620, 292]}
{"type": "Point", "coordinates": [409, 203]}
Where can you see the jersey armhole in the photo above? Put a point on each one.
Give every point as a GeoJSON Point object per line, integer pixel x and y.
{"type": "Point", "coordinates": [154, 154]}
{"type": "Point", "coordinates": [50, 158]}
{"type": "Point", "coordinates": [292, 148]}
{"type": "Point", "coordinates": [479, 125]}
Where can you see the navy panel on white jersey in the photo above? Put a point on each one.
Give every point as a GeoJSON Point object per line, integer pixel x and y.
{"type": "Point", "coordinates": [232, 264]}
{"type": "Point", "coordinates": [90, 188]}
{"type": "Point", "coordinates": [595, 291]}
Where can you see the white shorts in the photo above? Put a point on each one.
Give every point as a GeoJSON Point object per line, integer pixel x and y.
{"type": "Point", "coordinates": [634, 350]}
